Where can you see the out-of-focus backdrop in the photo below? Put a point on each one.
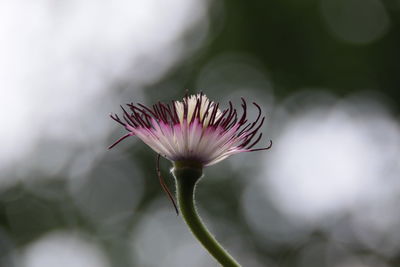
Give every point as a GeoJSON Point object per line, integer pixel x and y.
{"type": "Point", "coordinates": [326, 72]}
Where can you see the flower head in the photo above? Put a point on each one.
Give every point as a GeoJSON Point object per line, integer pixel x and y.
{"type": "Point", "coordinates": [193, 131]}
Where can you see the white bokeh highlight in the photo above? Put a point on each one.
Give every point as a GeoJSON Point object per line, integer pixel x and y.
{"type": "Point", "coordinates": [334, 167]}
{"type": "Point", "coordinates": [60, 63]}
{"type": "Point", "coordinates": [162, 238]}
{"type": "Point", "coordinates": [63, 249]}
{"type": "Point", "coordinates": [333, 160]}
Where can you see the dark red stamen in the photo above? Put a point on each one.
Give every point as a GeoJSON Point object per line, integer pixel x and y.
{"type": "Point", "coordinates": [262, 148]}
{"type": "Point", "coordinates": [255, 142]}
{"type": "Point", "coordinates": [117, 119]}
{"type": "Point", "coordinates": [164, 186]}
{"type": "Point", "coordinates": [119, 140]}
{"type": "Point", "coordinates": [206, 112]}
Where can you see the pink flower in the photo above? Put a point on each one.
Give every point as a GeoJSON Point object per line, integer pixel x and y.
{"type": "Point", "coordinates": [194, 131]}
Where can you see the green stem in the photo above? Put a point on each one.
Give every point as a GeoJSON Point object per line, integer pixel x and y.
{"type": "Point", "coordinates": [186, 179]}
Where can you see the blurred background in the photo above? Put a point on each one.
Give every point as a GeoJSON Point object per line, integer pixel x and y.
{"type": "Point", "coordinates": [326, 73]}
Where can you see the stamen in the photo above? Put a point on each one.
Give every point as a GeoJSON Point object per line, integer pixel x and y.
{"type": "Point", "coordinates": [196, 111]}
{"type": "Point", "coordinates": [231, 115]}
{"type": "Point", "coordinates": [259, 110]}
{"type": "Point", "coordinates": [258, 117]}
{"type": "Point", "coordinates": [117, 119]}
{"type": "Point", "coordinates": [141, 116]}
{"type": "Point", "coordinates": [200, 105]}
{"type": "Point", "coordinates": [176, 117]}
{"type": "Point", "coordinates": [147, 109]}
{"type": "Point", "coordinates": [206, 112]}
{"type": "Point", "coordinates": [251, 134]}
{"type": "Point", "coordinates": [243, 129]}
{"type": "Point", "coordinates": [164, 114]}
{"type": "Point", "coordinates": [164, 186]}
{"type": "Point", "coordinates": [234, 121]}
{"type": "Point", "coordinates": [128, 118]}
{"type": "Point", "coordinates": [185, 107]}
{"type": "Point", "coordinates": [119, 140]}
{"type": "Point", "coordinates": [255, 142]}
{"type": "Point", "coordinates": [231, 109]}
{"type": "Point", "coordinates": [168, 114]}
{"type": "Point", "coordinates": [139, 119]}
{"type": "Point", "coordinates": [244, 107]}
{"type": "Point", "coordinates": [263, 148]}
{"type": "Point", "coordinates": [213, 114]}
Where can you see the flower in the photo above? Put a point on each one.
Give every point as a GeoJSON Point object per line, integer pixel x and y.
{"type": "Point", "coordinates": [194, 131]}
